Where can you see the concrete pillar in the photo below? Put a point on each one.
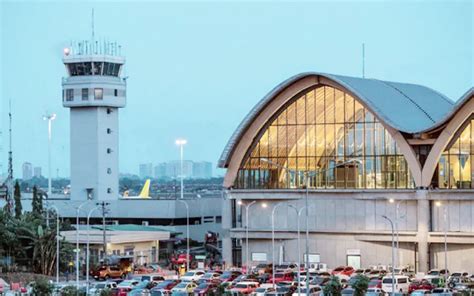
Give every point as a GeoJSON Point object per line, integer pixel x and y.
{"type": "Point", "coordinates": [423, 215]}
{"type": "Point", "coordinates": [226, 226]}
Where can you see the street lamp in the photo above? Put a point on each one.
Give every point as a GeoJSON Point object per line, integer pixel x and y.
{"type": "Point", "coordinates": [307, 174]}
{"type": "Point", "coordinates": [445, 216]}
{"type": "Point", "coordinates": [78, 209]}
{"type": "Point", "coordinates": [49, 118]}
{"type": "Point", "coordinates": [397, 217]}
{"type": "Point", "coordinates": [247, 208]}
{"type": "Point", "coordinates": [87, 248]}
{"type": "Point", "coordinates": [187, 232]}
{"type": "Point", "coordinates": [57, 243]}
{"type": "Point", "coordinates": [393, 253]}
{"type": "Point", "coordinates": [181, 143]}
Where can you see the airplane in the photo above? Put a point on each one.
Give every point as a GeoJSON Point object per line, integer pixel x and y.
{"type": "Point", "coordinates": [144, 194]}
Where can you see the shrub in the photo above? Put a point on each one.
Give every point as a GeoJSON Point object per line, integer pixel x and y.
{"type": "Point", "coordinates": [361, 284]}
{"type": "Point", "coordinates": [333, 287]}
{"type": "Point", "coordinates": [106, 292]}
{"type": "Point", "coordinates": [42, 287]}
{"type": "Point", "coordinates": [72, 291]}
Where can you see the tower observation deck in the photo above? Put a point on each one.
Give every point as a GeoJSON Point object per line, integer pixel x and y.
{"type": "Point", "coordinates": [94, 90]}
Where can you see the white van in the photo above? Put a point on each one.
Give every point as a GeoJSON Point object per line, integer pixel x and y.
{"type": "Point", "coordinates": [401, 283]}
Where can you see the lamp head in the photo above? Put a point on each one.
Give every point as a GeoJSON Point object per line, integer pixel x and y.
{"type": "Point", "coordinates": [391, 200]}
{"type": "Point", "coordinates": [181, 142]}
{"type": "Point", "coordinates": [264, 205]}
{"type": "Point", "coordinates": [438, 203]}
{"type": "Point", "coordinates": [239, 202]}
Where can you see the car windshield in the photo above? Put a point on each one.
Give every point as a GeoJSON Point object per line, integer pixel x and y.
{"type": "Point", "coordinates": [189, 273]}
{"type": "Point", "coordinates": [142, 285]}
{"type": "Point", "coordinates": [99, 286]}
{"type": "Point", "coordinates": [261, 266]}
{"type": "Point", "coordinates": [182, 285]}
{"type": "Point", "coordinates": [339, 269]}
{"type": "Point", "coordinates": [279, 275]}
{"type": "Point", "coordinates": [373, 282]}
{"type": "Point", "coordinates": [125, 283]}
{"type": "Point", "coordinates": [207, 276]}
{"type": "Point", "coordinates": [387, 281]}
{"type": "Point", "coordinates": [347, 292]}
{"type": "Point", "coordinates": [241, 286]}
{"type": "Point", "coordinates": [260, 290]}
{"type": "Point", "coordinates": [164, 284]}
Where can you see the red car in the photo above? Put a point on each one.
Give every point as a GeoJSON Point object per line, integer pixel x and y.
{"type": "Point", "coordinates": [166, 285]}
{"type": "Point", "coordinates": [244, 288]}
{"type": "Point", "coordinates": [420, 285]}
{"type": "Point", "coordinates": [205, 289]}
{"type": "Point", "coordinates": [229, 276]}
{"type": "Point", "coordinates": [181, 259]}
{"type": "Point", "coordinates": [345, 270]}
{"type": "Point", "coordinates": [281, 277]}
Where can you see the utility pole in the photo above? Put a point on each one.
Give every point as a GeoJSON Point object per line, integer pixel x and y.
{"type": "Point", "coordinates": [103, 205]}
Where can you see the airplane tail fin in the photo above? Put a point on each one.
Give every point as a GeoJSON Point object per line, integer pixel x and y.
{"type": "Point", "coordinates": [145, 193]}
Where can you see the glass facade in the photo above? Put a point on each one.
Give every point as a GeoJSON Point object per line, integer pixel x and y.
{"type": "Point", "coordinates": [455, 167]}
{"type": "Point", "coordinates": [315, 133]}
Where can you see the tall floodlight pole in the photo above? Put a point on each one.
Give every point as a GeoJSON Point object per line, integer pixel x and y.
{"type": "Point", "coordinates": [87, 248]}
{"type": "Point", "coordinates": [445, 227]}
{"type": "Point", "coordinates": [181, 143]}
{"type": "Point", "coordinates": [247, 208]}
{"type": "Point", "coordinates": [275, 207]}
{"type": "Point", "coordinates": [393, 252]}
{"type": "Point", "coordinates": [298, 244]}
{"type": "Point", "coordinates": [307, 174]}
{"type": "Point", "coordinates": [78, 209]}
{"type": "Point", "coordinates": [187, 232]}
{"type": "Point", "coordinates": [49, 118]}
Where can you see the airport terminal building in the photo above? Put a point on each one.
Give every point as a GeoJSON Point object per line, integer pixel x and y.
{"type": "Point", "coordinates": [366, 148]}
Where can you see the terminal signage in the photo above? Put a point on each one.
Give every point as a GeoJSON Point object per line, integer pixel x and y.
{"type": "Point", "coordinates": [259, 257]}
{"type": "Point", "coordinates": [313, 258]}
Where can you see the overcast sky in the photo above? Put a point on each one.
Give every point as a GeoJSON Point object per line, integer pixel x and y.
{"type": "Point", "coordinates": [196, 68]}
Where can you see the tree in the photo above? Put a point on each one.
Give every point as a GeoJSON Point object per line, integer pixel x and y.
{"type": "Point", "coordinates": [333, 287]}
{"type": "Point", "coordinates": [361, 284]}
{"type": "Point", "coordinates": [37, 203]}
{"type": "Point", "coordinates": [41, 287]}
{"type": "Point", "coordinates": [17, 196]}
{"type": "Point", "coordinates": [72, 291]}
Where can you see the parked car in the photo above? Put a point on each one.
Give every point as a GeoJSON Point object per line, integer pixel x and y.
{"type": "Point", "coordinates": [320, 280]}
{"type": "Point", "coordinates": [436, 280]}
{"type": "Point", "coordinates": [287, 290]}
{"type": "Point", "coordinates": [400, 284]}
{"type": "Point", "coordinates": [181, 259]}
{"type": "Point", "coordinates": [262, 290]}
{"type": "Point", "coordinates": [420, 285]}
{"type": "Point", "coordinates": [166, 285]}
{"type": "Point", "coordinates": [187, 287]}
{"type": "Point", "coordinates": [264, 277]}
{"type": "Point", "coordinates": [229, 276]}
{"type": "Point", "coordinates": [244, 288]}
{"type": "Point", "coordinates": [313, 291]}
{"type": "Point", "coordinates": [374, 292]}
{"type": "Point", "coordinates": [348, 292]}
{"type": "Point", "coordinates": [124, 287]}
{"type": "Point", "coordinates": [287, 267]}
{"type": "Point", "coordinates": [441, 292]}
{"type": "Point", "coordinates": [375, 283]}
{"type": "Point", "coordinates": [192, 275]}
{"type": "Point", "coordinates": [142, 289]}
{"type": "Point", "coordinates": [245, 278]}
{"type": "Point", "coordinates": [343, 270]}
{"type": "Point", "coordinates": [98, 287]}
{"type": "Point", "coordinates": [281, 277]}
{"type": "Point", "coordinates": [465, 288]}
{"type": "Point", "coordinates": [152, 278]}
{"type": "Point", "coordinates": [108, 272]}
{"type": "Point", "coordinates": [205, 289]}
{"type": "Point", "coordinates": [264, 268]}
{"type": "Point", "coordinates": [420, 293]}
{"type": "Point", "coordinates": [210, 277]}
{"type": "Point", "coordinates": [154, 292]}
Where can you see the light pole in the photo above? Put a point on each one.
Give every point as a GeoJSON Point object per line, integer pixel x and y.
{"type": "Point", "coordinates": [57, 243]}
{"type": "Point", "coordinates": [181, 143]}
{"type": "Point", "coordinates": [187, 233]}
{"type": "Point", "coordinates": [445, 226]}
{"type": "Point", "coordinates": [49, 118]}
{"type": "Point", "coordinates": [397, 217]}
{"type": "Point", "coordinates": [306, 175]}
{"type": "Point", "coordinates": [87, 248]}
{"type": "Point", "coordinates": [393, 252]}
{"type": "Point", "coordinates": [78, 209]}
{"type": "Point", "coordinates": [298, 245]}
{"type": "Point", "coordinates": [247, 208]}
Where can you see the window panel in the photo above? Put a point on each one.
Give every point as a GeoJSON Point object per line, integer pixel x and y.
{"type": "Point", "coordinates": [320, 129]}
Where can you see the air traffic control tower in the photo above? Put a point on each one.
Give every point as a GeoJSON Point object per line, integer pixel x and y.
{"type": "Point", "coordinates": [94, 91]}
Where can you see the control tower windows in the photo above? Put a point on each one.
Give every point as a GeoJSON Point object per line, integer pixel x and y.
{"type": "Point", "coordinates": [115, 92]}
{"type": "Point", "coordinates": [98, 93]}
{"type": "Point", "coordinates": [111, 69]}
{"type": "Point", "coordinates": [97, 69]}
{"type": "Point", "coordinates": [69, 94]}
{"type": "Point", "coordinates": [85, 94]}
{"type": "Point", "coordinates": [109, 131]}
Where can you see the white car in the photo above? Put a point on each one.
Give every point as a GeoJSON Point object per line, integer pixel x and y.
{"type": "Point", "coordinates": [186, 287]}
{"type": "Point", "coordinates": [264, 288]}
{"type": "Point", "coordinates": [400, 284]}
{"type": "Point", "coordinates": [192, 275]}
{"type": "Point", "coordinates": [128, 284]}
{"type": "Point", "coordinates": [98, 287]}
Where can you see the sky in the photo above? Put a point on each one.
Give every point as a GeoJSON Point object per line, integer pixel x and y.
{"type": "Point", "coordinates": [197, 68]}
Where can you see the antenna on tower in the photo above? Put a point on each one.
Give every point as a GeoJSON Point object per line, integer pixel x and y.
{"type": "Point", "coordinates": [93, 33]}
{"type": "Point", "coordinates": [10, 161]}
{"type": "Point", "coordinates": [363, 60]}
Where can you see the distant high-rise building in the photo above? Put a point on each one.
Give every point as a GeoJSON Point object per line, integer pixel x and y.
{"type": "Point", "coordinates": [37, 172]}
{"type": "Point", "coordinates": [146, 170]}
{"type": "Point", "coordinates": [202, 170]}
{"type": "Point", "coordinates": [27, 169]}
{"type": "Point", "coordinates": [160, 170]}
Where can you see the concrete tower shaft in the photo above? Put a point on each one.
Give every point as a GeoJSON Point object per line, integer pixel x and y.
{"type": "Point", "coordinates": [94, 90]}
